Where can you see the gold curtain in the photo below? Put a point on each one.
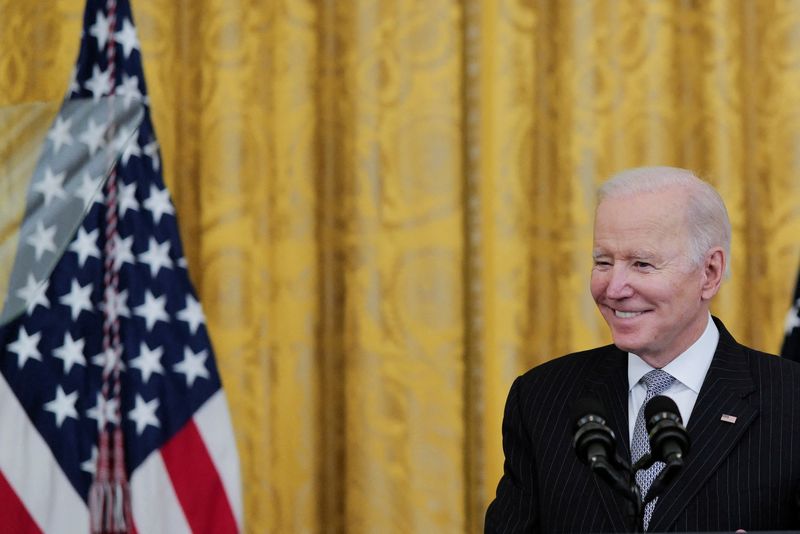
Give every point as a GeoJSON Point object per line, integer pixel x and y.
{"type": "Point", "coordinates": [387, 209]}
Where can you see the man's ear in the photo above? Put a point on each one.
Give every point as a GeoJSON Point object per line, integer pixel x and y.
{"type": "Point", "coordinates": [713, 272]}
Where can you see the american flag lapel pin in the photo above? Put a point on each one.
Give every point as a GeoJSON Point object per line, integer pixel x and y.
{"type": "Point", "coordinates": [728, 418]}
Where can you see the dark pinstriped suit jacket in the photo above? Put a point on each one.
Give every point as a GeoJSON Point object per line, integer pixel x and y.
{"type": "Point", "coordinates": [737, 475]}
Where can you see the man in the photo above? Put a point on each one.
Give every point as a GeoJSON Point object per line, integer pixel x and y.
{"type": "Point", "coordinates": [661, 249]}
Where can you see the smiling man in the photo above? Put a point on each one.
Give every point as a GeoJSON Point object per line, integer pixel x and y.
{"type": "Point", "coordinates": [661, 250]}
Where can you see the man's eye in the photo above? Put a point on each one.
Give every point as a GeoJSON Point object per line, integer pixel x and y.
{"type": "Point", "coordinates": [642, 265]}
{"type": "Point", "coordinates": [601, 263]}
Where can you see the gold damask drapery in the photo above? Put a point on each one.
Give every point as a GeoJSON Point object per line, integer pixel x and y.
{"type": "Point", "coordinates": [387, 209]}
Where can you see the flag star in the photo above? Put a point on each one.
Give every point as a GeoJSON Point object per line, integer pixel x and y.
{"type": "Point", "coordinates": [34, 294]}
{"type": "Point", "coordinates": [93, 136]}
{"type": "Point", "coordinates": [127, 199]}
{"type": "Point", "coordinates": [192, 314]}
{"type": "Point", "coordinates": [42, 239]}
{"type": "Point", "coordinates": [89, 191]}
{"type": "Point", "coordinates": [130, 150]}
{"type": "Point", "coordinates": [59, 134]}
{"type": "Point", "coordinates": [119, 304]}
{"type": "Point", "coordinates": [63, 406]}
{"type": "Point", "coordinates": [156, 256]}
{"type": "Point", "coordinates": [104, 411]}
{"type": "Point", "coordinates": [107, 359]}
{"type": "Point", "coordinates": [74, 87]}
{"type": "Point", "coordinates": [85, 245]}
{"type": "Point", "coordinates": [78, 299]}
{"type": "Point", "coordinates": [182, 263]}
{"type": "Point", "coordinates": [122, 251]}
{"type": "Point", "coordinates": [792, 318]}
{"type": "Point", "coordinates": [148, 361]}
{"type": "Point", "coordinates": [90, 465]}
{"type": "Point", "coordinates": [25, 347]}
{"type": "Point", "coordinates": [151, 151]}
{"type": "Point", "coordinates": [100, 82]}
{"type": "Point", "coordinates": [144, 413]}
{"type": "Point", "coordinates": [127, 38]}
{"type": "Point", "coordinates": [50, 186]}
{"type": "Point", "coordinates": [158, 203]}
{"type": "Point", "coordinates": [101, 30]}
{"type": "Point", "coordinates": [193, 365]}
{"type": "Point", "coordinates": [152, 309]}
{"type": "Point", "coordinates": [129, 89]}
{"type": "Point", "coordinates": [71, 352]}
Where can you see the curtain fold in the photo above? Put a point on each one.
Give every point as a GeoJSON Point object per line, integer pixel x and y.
{"type": "Point", "coordinates": [387, 210]}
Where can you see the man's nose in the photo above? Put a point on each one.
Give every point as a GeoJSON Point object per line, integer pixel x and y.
{"type": "Point", "coordinates": [619, 286]}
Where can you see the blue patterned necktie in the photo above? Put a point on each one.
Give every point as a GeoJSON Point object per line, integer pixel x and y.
{"type": "Point", "coordinates": [657, 382]}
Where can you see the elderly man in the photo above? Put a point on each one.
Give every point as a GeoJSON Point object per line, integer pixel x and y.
{"type": "Point", "coordinates": [661, 249]}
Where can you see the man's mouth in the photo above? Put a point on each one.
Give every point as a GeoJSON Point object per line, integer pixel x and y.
{"type": "Point", "coordinates": [626, 314]}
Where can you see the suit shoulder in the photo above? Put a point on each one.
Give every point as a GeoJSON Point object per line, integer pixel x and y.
{"type": "Point", "coordinates": [765, 360]}
{"type": "Point", "coordinates": [773, 376]}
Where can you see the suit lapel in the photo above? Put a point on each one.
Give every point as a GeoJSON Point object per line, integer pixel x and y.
{"type": "Point", "coordinates": [724, 391]}
{"type": "Point", "coordinates": [609, 384]}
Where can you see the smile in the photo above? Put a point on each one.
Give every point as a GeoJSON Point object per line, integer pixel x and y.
{"type": "Point", "coordinates": [626, 315]}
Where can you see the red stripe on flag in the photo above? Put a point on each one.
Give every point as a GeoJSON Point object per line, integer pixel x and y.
{"type": "Point", "coordinates": [197, 483]}
{"type": "Point", "coordinates": [13, 514]}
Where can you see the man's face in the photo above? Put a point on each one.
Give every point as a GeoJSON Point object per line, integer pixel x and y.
{"type": "Point", "coordinates": [643, 280]}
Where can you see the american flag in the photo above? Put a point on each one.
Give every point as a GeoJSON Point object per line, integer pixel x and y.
{"type": "Point", "coordinates": [791, 327]}
{"type": "Point", "coordinates": [62, 308]}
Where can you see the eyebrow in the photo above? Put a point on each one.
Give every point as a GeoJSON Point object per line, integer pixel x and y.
{"type": "Point", "coordinates": [639, 254]}
{"type": "Point", "coordinates": [642, 254]}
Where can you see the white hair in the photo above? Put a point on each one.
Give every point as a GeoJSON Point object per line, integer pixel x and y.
{"type": "Point", "coordinates": [706, 216]}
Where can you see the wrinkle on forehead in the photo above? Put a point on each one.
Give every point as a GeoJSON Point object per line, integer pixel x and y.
{"type": "Point", "coordinates": [642, 226]}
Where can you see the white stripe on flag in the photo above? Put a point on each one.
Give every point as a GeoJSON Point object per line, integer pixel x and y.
{"type": "Point", "coordinates": [33, 472]}
{"type": "Point", "coordinates": [154, 503]}
{"type": "Point", "coordinates": [214, 424]}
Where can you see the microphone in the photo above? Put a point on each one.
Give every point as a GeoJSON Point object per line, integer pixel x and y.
{"type": "Point", "coordinates": [669, 441]}
{"type": "Point", "coordinates": [595, 444]}
{"type": "Point", "coordinates": [594, 441]}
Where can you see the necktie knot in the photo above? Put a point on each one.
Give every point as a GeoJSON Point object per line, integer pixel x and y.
{"type": "Point", "coordinates": [657, 382]}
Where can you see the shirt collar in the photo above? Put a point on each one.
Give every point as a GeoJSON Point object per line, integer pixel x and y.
{"type": "Point", "coordinates": [689, 368]}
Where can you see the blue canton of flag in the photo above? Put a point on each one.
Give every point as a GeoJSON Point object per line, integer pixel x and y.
{"type": "Point", "coordinates": [791, 327]}
{"type": "Point", "coordinates": [180, 455]}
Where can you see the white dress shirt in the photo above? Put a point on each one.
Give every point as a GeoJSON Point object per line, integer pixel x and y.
{"type": "Point", "coordinates": [689, 370]}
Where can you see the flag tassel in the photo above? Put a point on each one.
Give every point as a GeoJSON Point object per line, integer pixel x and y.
{"type": "Point", "coordinates": [100, 491]}
{"type": "Point", "coordinates": [122, 496]}
{"type": "Point", "coordinates": [109, 496]}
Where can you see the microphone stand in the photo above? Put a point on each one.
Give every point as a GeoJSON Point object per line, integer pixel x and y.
{"type": "Point", "coordinates": [623, 481]}
{"type": "Point", "coordinates": [671, 468]}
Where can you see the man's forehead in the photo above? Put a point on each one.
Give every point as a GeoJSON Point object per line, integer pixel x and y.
{"type": "Point", "coordinates": [633, 252]}
{"type": "Point", "coordinates": [669, 199]}
{"type": "Point", "coordinates": [639, 217]}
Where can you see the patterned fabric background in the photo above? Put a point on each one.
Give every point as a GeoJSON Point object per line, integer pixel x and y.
{"type": "Point", "coordinates": [387, 208]}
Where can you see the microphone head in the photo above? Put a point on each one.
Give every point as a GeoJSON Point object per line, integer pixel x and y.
{"type": "Point", "coordinates": [586, 407]}
{"type": "Point", "coordinates": [669, 441]}
{"type": "Point", "coordinates": [593, 440]}
{"type": "Point", "coordinates": [661, 405]}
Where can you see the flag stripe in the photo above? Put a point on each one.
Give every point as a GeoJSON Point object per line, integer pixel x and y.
{"type": "Point", "coordinates": [36, 477]}
{"type": "Point", "coordinates": [13, 512]}
{"type": "Point", "coordinates": [214, 423]}
{"type": "Point", "coordinates": [197, 483]}
{"type": "Point", "coordinates": [156, 509]}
